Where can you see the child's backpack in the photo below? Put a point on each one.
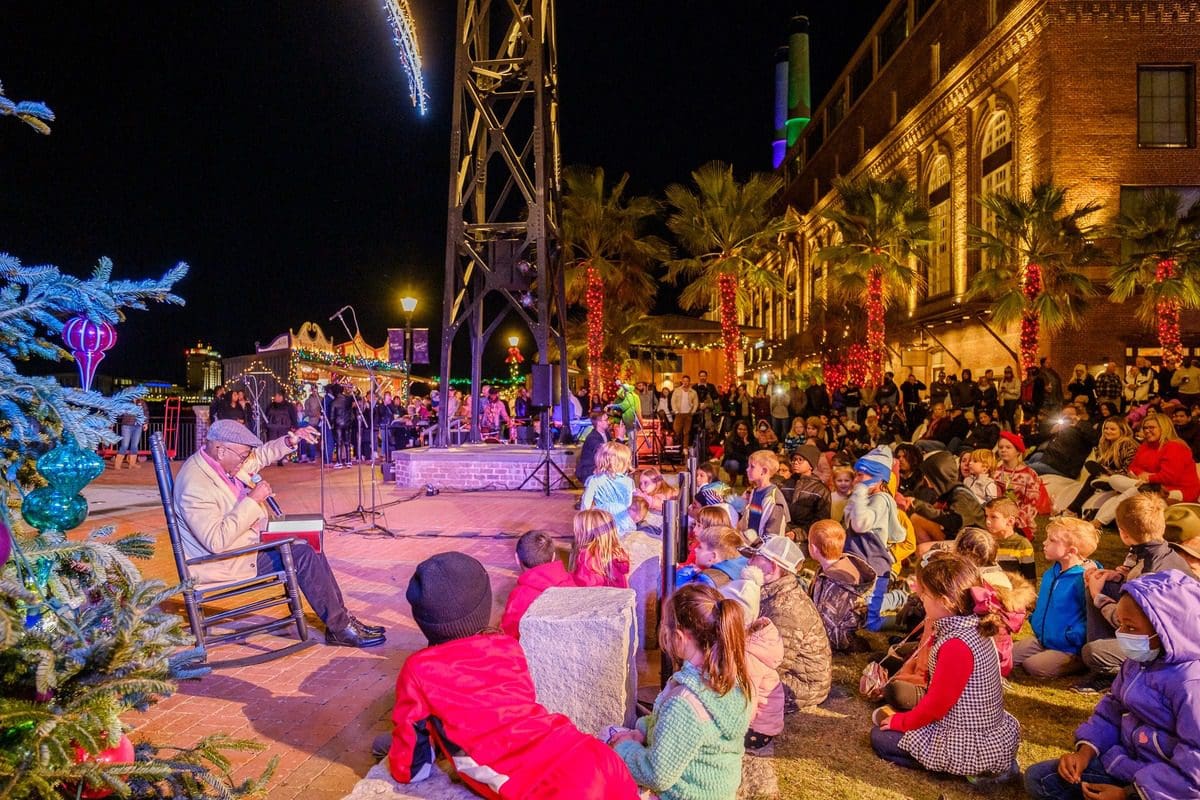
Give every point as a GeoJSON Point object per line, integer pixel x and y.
{"type": "Point", "coordinates": [843, 607]}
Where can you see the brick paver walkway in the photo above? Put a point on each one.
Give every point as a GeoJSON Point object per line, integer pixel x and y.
{"type": "Point", "coordinates": [319, 709]}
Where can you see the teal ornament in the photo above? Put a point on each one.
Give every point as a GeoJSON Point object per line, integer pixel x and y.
{"type": "Point", "coordinates": [59, 506]}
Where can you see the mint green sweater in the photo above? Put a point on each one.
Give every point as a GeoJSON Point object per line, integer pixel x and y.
{"type": "Point", "coordinates": [691, 753]}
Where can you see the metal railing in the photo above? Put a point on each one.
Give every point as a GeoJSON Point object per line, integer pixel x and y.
{"type": "Point", "coordinates": [185, 445]}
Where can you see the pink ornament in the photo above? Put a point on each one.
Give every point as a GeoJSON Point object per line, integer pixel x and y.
{"type": "Point", "coordinates": [122, 753]}
{"type": "Point", "coordinates": [88, 341]}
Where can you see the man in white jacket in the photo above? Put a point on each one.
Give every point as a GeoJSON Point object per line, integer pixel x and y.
{"type": "Point", "coordinates": [218, 512]}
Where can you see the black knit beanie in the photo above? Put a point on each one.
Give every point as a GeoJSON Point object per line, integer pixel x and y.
{"type": "Point", "coordinates": [451, 597]}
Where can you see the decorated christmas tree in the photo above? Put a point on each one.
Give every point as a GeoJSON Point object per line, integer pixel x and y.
{"type": "Point", "coordinates": [83, 638]}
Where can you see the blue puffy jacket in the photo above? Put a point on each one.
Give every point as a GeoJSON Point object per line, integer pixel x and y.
{"type": "Point", "coordinates": [1147, 729]}
{"type": "Point", "coordinates": [1060, 619]}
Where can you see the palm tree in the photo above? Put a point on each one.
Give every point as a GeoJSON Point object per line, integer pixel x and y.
{"type": "Point", "coordinates": [728, 229]}
{"type": "Point", "coordinates": [608, 255]}
{"type": "Point", "coordinates": [1033, 260]}
{"type": "Point", "coordinates": [1162, 239]}
{"type": "Point", "coordinates": [883, 227]}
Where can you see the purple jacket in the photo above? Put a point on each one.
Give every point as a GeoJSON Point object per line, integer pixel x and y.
{"type": "Point", "coordinates": [1147, 730]}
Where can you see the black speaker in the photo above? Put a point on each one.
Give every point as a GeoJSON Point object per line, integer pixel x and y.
{"type": "Point", "coordinates": [546, 391]}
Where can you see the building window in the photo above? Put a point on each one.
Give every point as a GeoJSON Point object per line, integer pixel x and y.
{"type": "Point", "coordinates": [1166, 111]}
{"type": "Point", "coordinates": [939, 277]}
{"type": "Point", "coordinates": [860, 78]}
{"type": "Point", "coordinates": [893, 34]}
{"type": "Point", "coordinates": [997, 164]}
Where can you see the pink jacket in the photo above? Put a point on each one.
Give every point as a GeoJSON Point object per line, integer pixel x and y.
{"type": "Point", "coordinates": [764, 654]}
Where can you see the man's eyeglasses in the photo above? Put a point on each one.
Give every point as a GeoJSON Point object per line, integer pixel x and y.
{"type": "Point", "coordinates": [241, 457]}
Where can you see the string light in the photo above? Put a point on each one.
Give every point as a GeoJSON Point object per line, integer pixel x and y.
{"type": "Point", "coordinates": [1168, 315]}
{"type": "Point", "coordinates": [730, 338]}
{"type": "Point", "coordinates": [404, 30]}
{"type": "Point", "coordinates": [875, 323]}
{"type": "Point", "coordinates": [1031, 287]}
{"type": "Point", "coordinates": [514, 360]}
{"type": "Point", "coordinates": [594, 297]}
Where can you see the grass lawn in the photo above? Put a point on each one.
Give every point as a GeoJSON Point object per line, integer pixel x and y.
{"type": "Point", "coordinates": [826, 753]}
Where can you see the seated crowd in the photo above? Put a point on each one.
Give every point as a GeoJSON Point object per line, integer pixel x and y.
{"type": "Point", "coordinates": [926, 534]}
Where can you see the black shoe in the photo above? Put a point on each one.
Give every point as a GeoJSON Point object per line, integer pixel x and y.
{"type": "Point", "coordinates": [350, 637]}
{"type": "Point", "coordinates": [1093, 684]}
{"type": "Point", "coordinates": [365, 629]}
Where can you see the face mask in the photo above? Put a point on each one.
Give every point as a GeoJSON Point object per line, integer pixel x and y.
{"type": "Point", "coordinates": [1137, 647]}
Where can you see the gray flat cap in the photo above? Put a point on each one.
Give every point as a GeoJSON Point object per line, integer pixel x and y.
{"type": "Point", "coordinates": [234, 432]}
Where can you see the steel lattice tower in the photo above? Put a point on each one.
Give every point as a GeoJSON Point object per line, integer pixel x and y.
{"type": "Point", "coordinates": [503, 223]}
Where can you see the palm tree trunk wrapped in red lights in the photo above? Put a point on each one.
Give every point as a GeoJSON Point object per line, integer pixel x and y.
{"type": "Point", "coordinates": [1031, 287]}
{"type": "Point", "coordinates": [730, 333]}
{"type": "Point", "coordinates": [1168, 314]}
{"type": "Point", "coordinates": [875, 324]}
{"type": "Point", "coordinates": [595, 326]}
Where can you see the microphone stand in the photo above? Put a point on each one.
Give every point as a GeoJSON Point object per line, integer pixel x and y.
{"type": "Point", "coordinates": [368, 516]}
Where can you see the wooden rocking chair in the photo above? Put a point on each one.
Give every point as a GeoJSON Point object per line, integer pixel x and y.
{"type": "Point", "coordinates": [281, 585]}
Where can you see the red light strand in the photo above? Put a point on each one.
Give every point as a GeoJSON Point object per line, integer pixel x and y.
{"type": "Point", "coordinates": [1168, 315]}
{"type": "Point", "coordinates": [594, 296]}
{"type": "Point", "coordinates": [730, 333]}
{"type": "Point", "coordinates": [1031, 287]}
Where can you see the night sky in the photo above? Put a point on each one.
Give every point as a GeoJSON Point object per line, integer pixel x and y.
{"type": "Point", "coordinates": [273, 146]}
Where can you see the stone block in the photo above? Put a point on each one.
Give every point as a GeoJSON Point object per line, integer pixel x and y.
{"type": "Point", "coordinates": [645, 573]}
{"type": "Point", "coordinates": [581, 646]}
{"type": "Point", "coordinates": [379, 784]}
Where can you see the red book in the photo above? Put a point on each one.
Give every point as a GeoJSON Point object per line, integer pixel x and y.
{"type": "Point", "coordinates": [305, 527]}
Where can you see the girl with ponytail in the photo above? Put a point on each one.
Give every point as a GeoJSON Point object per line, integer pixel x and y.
{"type": "Point", "coordinates": [959, 726]}
{"type": "Point", "coordinates": [690, 747]}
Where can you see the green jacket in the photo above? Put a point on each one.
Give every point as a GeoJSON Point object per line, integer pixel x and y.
{"type": "Point", "coordinates": [694, 741]}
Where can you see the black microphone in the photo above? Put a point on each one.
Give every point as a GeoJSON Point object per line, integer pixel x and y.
{"type": "Point", "coordinates": [340, 311]}
{"type": "Point", "coordinates": [272, 503]}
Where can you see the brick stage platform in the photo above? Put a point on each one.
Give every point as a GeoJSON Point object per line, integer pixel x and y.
{"type": "Point", "coordinates": [481, 466]}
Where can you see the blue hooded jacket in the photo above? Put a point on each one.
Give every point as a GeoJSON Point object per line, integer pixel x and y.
{"type": "Point", "coordinates": [1060, 620]}
{"type": "Point", "coordinates": [1147, 729]}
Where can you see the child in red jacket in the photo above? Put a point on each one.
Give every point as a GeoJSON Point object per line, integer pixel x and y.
{"type": "Point", "coordinates": [540, 570]}
{"type": "Point", "coordinates": [468, 698]}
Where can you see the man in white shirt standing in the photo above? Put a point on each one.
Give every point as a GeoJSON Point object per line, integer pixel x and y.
{"type": "Point", "coordinates": [684, 402]}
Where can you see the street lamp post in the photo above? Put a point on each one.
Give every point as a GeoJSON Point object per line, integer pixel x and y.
{"type": "Point", "coordinates": [409, 304]}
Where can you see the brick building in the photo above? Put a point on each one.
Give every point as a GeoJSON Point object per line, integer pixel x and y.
{"type": "Point", "coordinates": [968, 97]}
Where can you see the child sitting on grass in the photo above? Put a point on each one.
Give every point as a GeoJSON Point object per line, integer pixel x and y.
{"type": "Point", "coordinates": [959, 726]}
{"type": "Point", "coordinates": [764, 654]}
{"type": "Point", "coordinates": [609, 488]}
{"type": "Point", "coordinates": [690, 746]}
{"type": "Point", "coordinates": [1143, 740]}
{"type": "Point", "coordinates": [766, 513]}
{"type": "Point", "coordinates": [1142, 523]}
{"type": "Point", "coordinates": [841, 586]}
{"type": "Point", "coordinates": [1014, 552]}
{"type": "Point", "coordinates": [540, 570]}
{"type": "Point", "coordinates": [716, 558]}
{"type": "Point", "coordinates": [598, 557]}
{"type": "Point", "coordinates": [807, 668]}
{"type": "Point", "coordinates": [1060, 620]}
{"type": "Point", "coordinates": [461, 698]}
{"type": "Point", "coordinates": [979, 480]}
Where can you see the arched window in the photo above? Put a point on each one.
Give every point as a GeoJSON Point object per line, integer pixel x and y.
{"type": "Point", "coordinates": [997, 163]}
{"type": "Point", "coordinates": [940, 277]}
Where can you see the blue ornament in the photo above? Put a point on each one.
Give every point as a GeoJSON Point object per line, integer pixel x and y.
{"type": "Point", "coordinates": [59, 506]}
